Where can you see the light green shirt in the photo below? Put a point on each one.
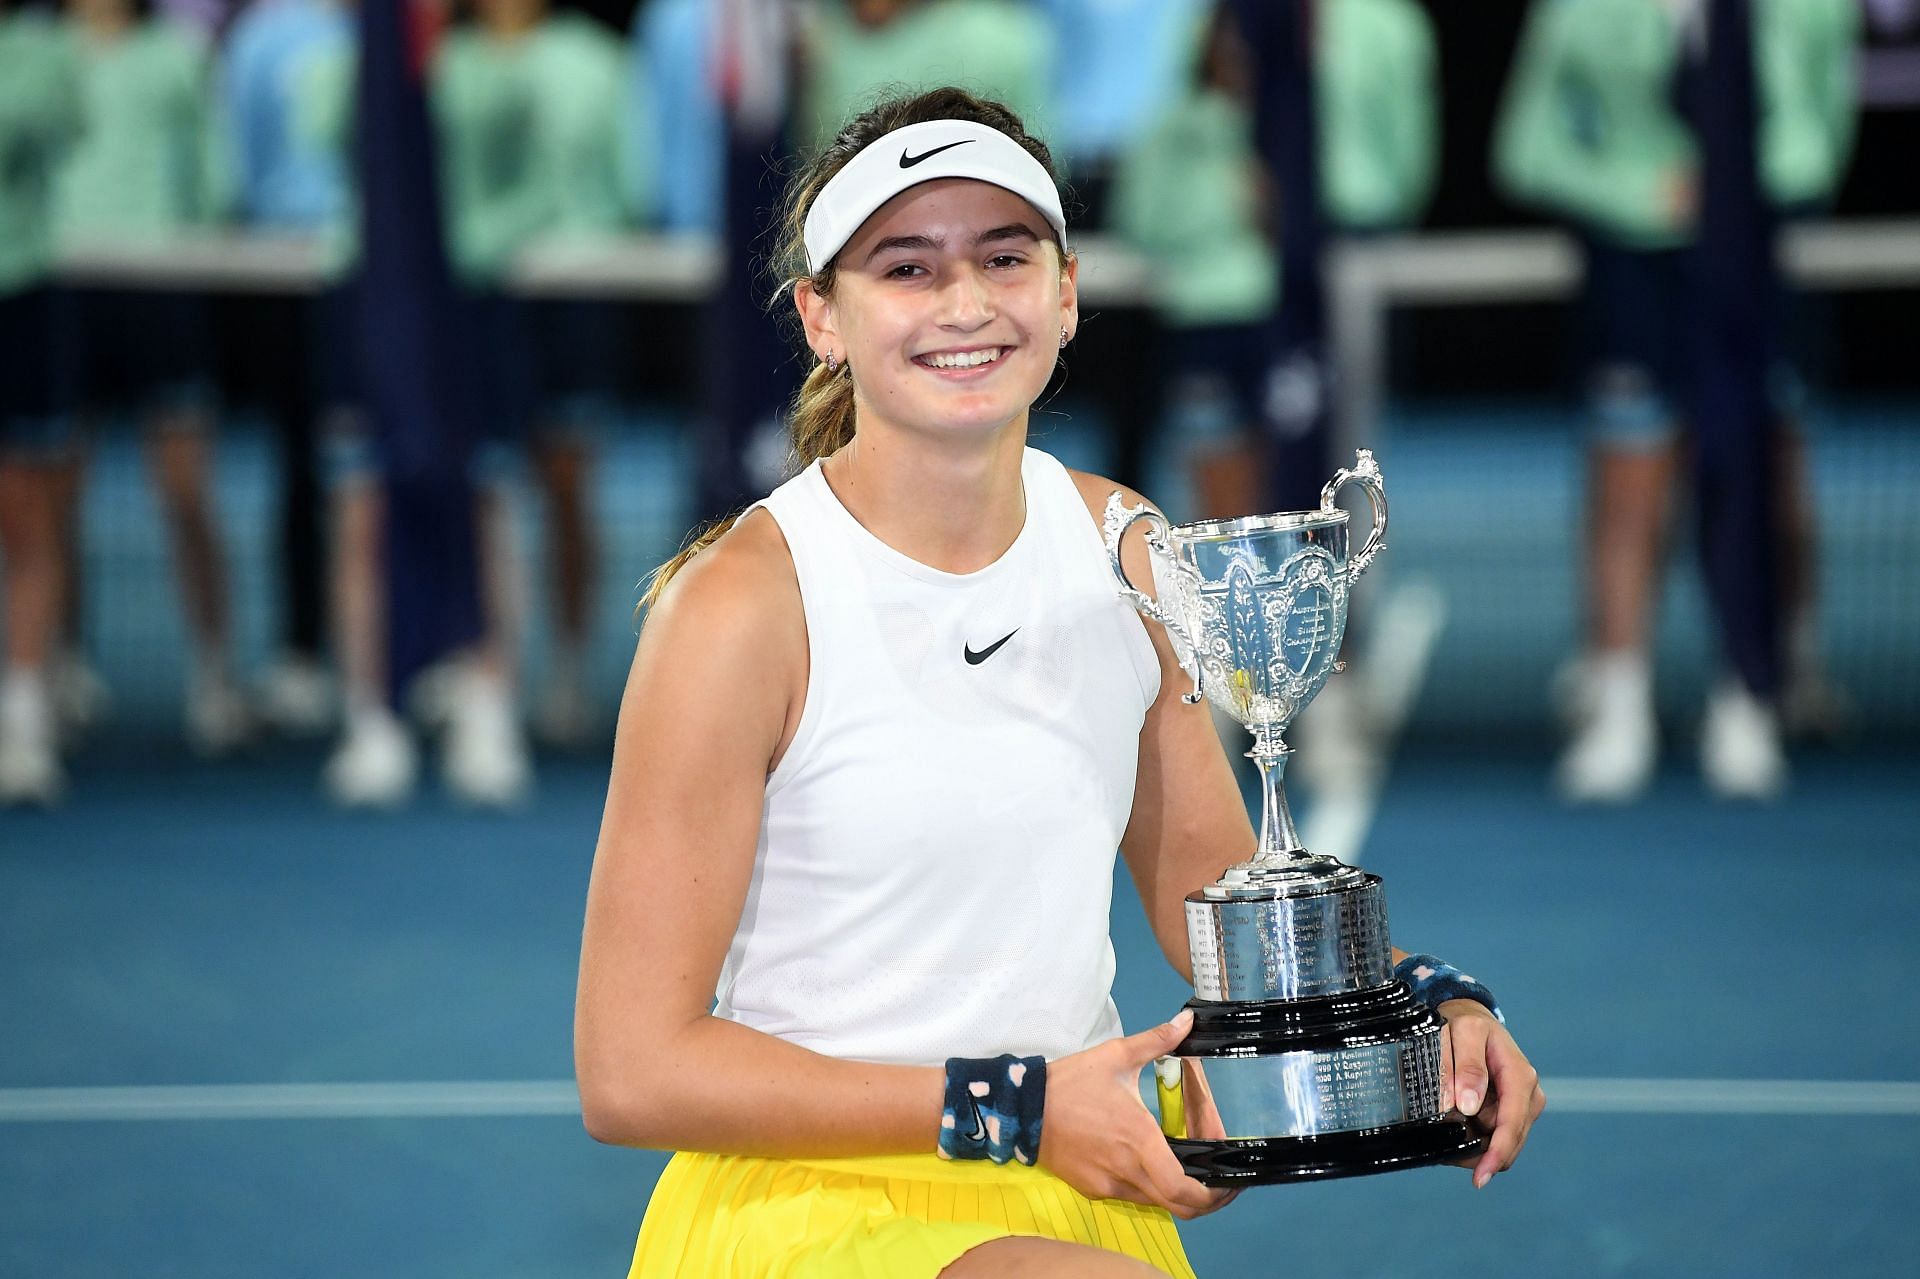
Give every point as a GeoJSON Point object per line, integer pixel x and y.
{"type": "Point", "coordinates": [1188, 196]}
{"type": "Point", "coordinates": [530, 134]}
{"type": "Point", "coordinates": [996, 48]}
{"type": "Point", "coordinates": [149, 163]}
{"type": "Point", "coordinates": [41, 116]}
{"type": "Point", "coordinates": [1805, 58]}
{"type": "Point", "coordinates": [1589, 127]}
{"type": "Point", "coordinates": [1377, 107]}
{"type": "Point", "coordinates": [601, 180]}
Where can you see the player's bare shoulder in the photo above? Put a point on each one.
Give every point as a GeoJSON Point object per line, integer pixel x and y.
{"type": "Point", "coordinates": [735, 604]}
{"type": "Point", "coordinates": [744, 577]}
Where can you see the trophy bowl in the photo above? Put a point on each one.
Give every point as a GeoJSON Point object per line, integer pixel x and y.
{"type": "Point", "coordinates": [1307, 1058]}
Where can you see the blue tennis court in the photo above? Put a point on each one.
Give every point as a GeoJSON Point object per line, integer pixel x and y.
{"type": "Point", "coordinates": [161, 960]}
{"type": "Point", "coordinates": [249, 1034]}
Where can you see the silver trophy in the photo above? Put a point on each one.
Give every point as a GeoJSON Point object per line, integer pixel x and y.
{"type": "Point", "coordinates": [1307, 1058]}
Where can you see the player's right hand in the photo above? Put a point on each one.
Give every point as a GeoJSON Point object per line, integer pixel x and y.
{"type": "Point", "coordinates": [1099, 1137]}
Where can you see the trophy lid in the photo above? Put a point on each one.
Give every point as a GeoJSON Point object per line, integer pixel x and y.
{"type": "Point", "coordinates": [1302, 875]}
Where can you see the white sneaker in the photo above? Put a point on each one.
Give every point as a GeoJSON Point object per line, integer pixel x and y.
{"type": "Point", "coordinates": [376, 765]}
{"type": "Point", "coordinates": [484, 756]}
{"type": "Point", "coordinates": [296, 697]}
{"type": "Point", "coordinates": [218, 721]}
{"type": "Point", "coordinates": [1740, 751]}
{"type": "Point", "coordinates": [1611, 757]}
{"type": "Point", "coordinates": [30, 771]}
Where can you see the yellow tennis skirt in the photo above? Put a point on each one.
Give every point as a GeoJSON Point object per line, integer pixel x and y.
{"type": "Point", "coordinates": [891, 1217]}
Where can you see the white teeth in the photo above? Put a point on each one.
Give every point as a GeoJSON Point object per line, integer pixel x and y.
{"type": "Point", "coordinates": [966, 360]}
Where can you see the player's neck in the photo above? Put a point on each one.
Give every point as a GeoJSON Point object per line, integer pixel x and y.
{"type": "Point", "coordinates": [953, 505]}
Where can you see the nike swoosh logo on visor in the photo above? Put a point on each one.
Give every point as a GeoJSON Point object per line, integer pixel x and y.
{"type": "Point", "coordinates": [907, 161]}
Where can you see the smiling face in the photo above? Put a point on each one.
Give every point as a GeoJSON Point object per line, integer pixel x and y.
{"type": "Point", "coordinates": [948, 305]}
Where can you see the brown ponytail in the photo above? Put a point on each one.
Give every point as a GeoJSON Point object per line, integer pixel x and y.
{"type": "Point", "coordinates": [821, 418]}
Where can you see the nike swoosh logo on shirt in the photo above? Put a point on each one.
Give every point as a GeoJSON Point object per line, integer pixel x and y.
{"type": "Point", "coordinates": [974, 659]}
{"type": "Point", "coordinates": [907, 162]}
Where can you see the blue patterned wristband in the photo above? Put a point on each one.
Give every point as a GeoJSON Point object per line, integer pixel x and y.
{"type": "Point", "coordinates": [1435, 981]}
{"type": "Point", "coordinates": [993, 1108]}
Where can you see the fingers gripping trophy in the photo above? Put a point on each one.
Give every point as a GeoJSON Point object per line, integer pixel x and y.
{"type": "Point", "coordinates": [1307, 1058]}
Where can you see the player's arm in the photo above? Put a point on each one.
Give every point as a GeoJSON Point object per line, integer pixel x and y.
{"type": "Point", "coordinates": [717, 681]}
{"type": "Point", "coordinates": [1189, 823]}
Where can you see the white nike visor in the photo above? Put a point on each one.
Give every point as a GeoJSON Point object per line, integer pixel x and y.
{"type": "Point", "coordinates": [924, 153]}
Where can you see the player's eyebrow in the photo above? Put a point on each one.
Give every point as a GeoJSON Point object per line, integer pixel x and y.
{"type": "Point", "coordinates": [1011, 231]}
{"type": "Point", "coordinates": [933, 244]}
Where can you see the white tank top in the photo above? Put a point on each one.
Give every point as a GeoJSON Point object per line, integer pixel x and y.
{"type": "Point", "coordinates": [935, 865]}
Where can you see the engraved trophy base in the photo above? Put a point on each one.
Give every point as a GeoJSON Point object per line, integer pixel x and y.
{"type": "Point", "coordinates": [1311, 1089]}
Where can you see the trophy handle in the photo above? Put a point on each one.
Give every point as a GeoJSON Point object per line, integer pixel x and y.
{"type": "Point", "coordinates": [1366, 473]}
{"type": "Point", "coordinates": [1119, 518]}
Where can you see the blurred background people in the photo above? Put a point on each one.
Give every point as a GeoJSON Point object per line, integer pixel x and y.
{"type": "Point", "coordinates": [1378, 93]}
{"type": "Point", "coordinates": [530, 104]}
{"type": "Point", "coordinates": [530, 113]}
{"type": "Point", "coordinates": [556, 137]}
{"type": "Point", "coordinates": [375, 762]}
{"type": "Point", "coordinates": [148, 166]}
{"type": "Point", "coordinates": [1118, 65]}
{"type": "Point", "coordinates": [673, 131]}
{"type": "Point", "coordinates": [288, 179]}
{"type": "Point", "coordinates": [1196, 198]}
{"type": "Point", "coordinates": [1194, 195]}
{"type": "Point", "coordinates": [1590, 131]}
{"type": "Point", "coordinates": [290, 182]}
{"type": "Point", "coordinates": [853, 48]}
{"type": "Point", "coordinates": [41, 117]}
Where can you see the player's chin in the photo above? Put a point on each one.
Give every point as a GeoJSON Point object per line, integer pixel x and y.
{"type": "Point", "coordinates": [982, 409]}
{"type": "Point", "coordinates": [1012, 392]}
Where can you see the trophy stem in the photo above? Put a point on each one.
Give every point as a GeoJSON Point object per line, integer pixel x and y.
{"type": "Point", "coordinates": [1278, 838]}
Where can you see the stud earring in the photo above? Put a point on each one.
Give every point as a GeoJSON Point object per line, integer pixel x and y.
{"type": "Point", "coordinates": [1063, 339]}
{"type": "Point", "coordinates": [833, 364]}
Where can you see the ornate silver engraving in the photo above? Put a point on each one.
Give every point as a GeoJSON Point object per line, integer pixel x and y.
{"type": "Point", "coordinates": [1256, 610]}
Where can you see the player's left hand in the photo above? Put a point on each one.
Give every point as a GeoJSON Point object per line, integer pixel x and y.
{"type": "Point", "coordinates": [1485, 1075]}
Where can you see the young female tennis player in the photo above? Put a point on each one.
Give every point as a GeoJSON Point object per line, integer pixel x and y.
{"type": "Point", "coordinates": [846, 943]}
